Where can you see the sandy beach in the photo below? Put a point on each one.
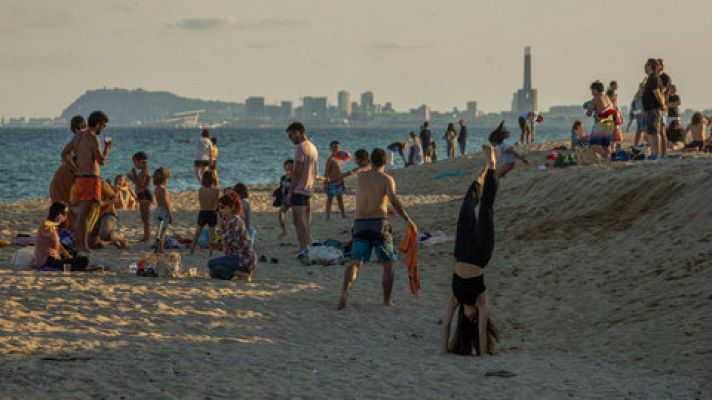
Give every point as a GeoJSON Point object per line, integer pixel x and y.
{"type": "Point", "coordinates": [600, 280]}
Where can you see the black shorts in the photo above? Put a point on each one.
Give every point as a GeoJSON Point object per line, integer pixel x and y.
{"type": "Point", "coordinates": [695, 144]}
{"type": "Point", "coordinates": [467, 290]}
{"type": "Point", "coordinates": [522, 123]}
{"type": "Point", "coordinates": [299, 200]}
{"type": "Point", "coordinates": [202, 163]}
{"type": "Point", "coordinates": [144, 195]}
{"type": "Point", "coordinates": [207, 217]}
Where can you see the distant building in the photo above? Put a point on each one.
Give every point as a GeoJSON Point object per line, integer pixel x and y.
{"type": "Point", "coordinates": [314, 108]}
{"type": "Point", "coordinates": [525, 99]}
{"type": "Point", "coordinates": [255, 107]}
{"type": "Point", "coordinates": [367, 105]}
{"type": "Point", "coordinates": [287, 110]}
{"type": "Point", "coordinates": [472, 108]}
{"type": "Point", "coordinates": [344, 103]}
{"type": "Point", "coordinates": [421, 113]}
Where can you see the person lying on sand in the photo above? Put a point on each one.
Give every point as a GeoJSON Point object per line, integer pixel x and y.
{"type": "Point", "coordinates": [374, 189]}
{"type": "Point", "coordinates": [473, 249]}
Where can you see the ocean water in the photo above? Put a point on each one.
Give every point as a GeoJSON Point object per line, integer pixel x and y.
{"type": "Point", "coordinates": [31, 156]}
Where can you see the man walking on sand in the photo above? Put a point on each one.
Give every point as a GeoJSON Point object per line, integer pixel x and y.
{"type": "Point", "coordinates": [374, 190]}
{"type": "Point", "coordinates": [90, 158]}
{"type": "Point", "coordinates": [306, 168]}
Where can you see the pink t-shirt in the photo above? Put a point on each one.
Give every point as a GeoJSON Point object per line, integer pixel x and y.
{"type": "Point", "coordinates": [306, 154]}
{"type": "Point", "coordinates": [46, 246]}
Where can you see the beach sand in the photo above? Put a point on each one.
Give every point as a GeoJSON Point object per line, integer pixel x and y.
{"type": "Point", "coordinates": [600, 280]}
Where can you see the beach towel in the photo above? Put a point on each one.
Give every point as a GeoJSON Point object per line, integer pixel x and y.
{"type": "Point", "coordinates": [409, 246]}
{"type": "Point", "coordinates": [448, 174]}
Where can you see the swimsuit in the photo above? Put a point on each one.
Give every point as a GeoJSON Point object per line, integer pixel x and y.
{"type": "Point", "coordinates": [144, 195]}
{"type": "Point", "coordinates": [466, 290]}
{"type": "Point", "coordinates": [370, 234]}
{"type": "Point", "coordinates": [334, 189]}
{"type": "Point", "coordinates": [207, 217]}
{"type": "Point", "coordinates": [88, 187]}
{"type": "Point", "coordinates": [161, 215]}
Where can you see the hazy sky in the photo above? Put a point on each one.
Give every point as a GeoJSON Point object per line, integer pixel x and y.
{"type": "Point", "coordinates": [409, 52]}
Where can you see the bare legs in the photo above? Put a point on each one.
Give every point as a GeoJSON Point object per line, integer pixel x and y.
{"type": "Point", "coordinates": [301, 216]}
{"type": "Point", "coordinates": [280, 217]}
{"type": "Point", "coordinates": [199, 171]}
{"type": "Point", "coordinates": [85, 208]}
{"type": "Point", "coordinates": [350, 276]}
{"type": "Point", "coordinates": [339, 202]}
{"type": "Point", "coordinates": [145, 209]}
{"type": "Point", "coordinates": [196, 238]}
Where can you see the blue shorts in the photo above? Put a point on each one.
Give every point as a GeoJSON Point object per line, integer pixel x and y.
{"type": "Point", "coordinates": [604, 141]}
{"type": "Point", "coordinates": [370, 234]}
{"type": "Point", "coordinates": [299, 200]}
{"type": "Point", "coordinates": [334, 189]}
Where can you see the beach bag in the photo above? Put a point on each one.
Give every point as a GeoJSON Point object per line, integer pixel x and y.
{"type": "Point", "coordinates": [24, 257]}
{"type": "Point", "coordinates": [323, 255]}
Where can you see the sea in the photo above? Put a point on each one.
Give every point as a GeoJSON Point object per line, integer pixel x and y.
{"type": "Point", "coordinates": [30, 156]}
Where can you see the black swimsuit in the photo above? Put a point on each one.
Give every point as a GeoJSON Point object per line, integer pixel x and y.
{"type": "Point", "coordinates": [475, 237]}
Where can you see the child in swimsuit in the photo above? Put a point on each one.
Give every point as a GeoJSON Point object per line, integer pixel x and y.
{"type": "Point", "coordinates": [162, 214]}
{"type": "Point", "coordinates": [281, 194]}
{"type": "Point", "coordinates": [142, 180]}
{"type": "Point", "coordinates": [125, 196]}
{"type": "Point", "coordinates": [208, 195]}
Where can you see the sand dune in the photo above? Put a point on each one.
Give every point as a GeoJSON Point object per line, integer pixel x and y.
{"type": "Point", "coordinates": [600, 279]}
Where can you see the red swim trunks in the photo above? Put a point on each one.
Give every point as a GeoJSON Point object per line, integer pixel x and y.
{"type": "Point", "coordinates": [88, 189]}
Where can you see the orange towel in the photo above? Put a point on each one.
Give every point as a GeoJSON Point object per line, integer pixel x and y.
{"type": "Point", "coordinates": [409, 246]}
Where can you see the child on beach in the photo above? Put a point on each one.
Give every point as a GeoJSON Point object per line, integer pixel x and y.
{"type": "Point", "coordinates": [577, 135]}
{"type": "Point", "coordinates": [508, 156]}
{"type": "Point", "coordinates": [697, 128]}
{"type": "Point", "coordinates": [162, 214]}
{"type": "Point", "coordinates": [281, 193]}
{"type": "Point", "coordinates": [433, 151]}
{"type": "Point", "coordinates": [125, 196]}
{"type": "Point", "coordinates": [208, 195]}
{"type": "Point", "coordinates": [334, 181]}
{"type": "Point", "coordinates": [142, 181]}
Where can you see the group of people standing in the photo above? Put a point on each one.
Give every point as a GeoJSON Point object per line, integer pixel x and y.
{"type": "Point", "coordinates": [424, 148]}
{"type": "Point", "coordinates": [655, 109]}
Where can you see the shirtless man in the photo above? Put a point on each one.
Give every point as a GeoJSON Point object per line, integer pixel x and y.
{"type": "Point", "coordinates": [374, 190]}
{"type": "Point", "coordinates": [88, 182]}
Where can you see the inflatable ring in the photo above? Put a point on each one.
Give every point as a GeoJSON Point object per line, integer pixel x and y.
{"type": "Point", "coordinates": [4, 242]}
{"type": "Point", "coordinates": [342, 155]}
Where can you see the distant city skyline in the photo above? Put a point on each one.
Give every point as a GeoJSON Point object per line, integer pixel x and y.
{"type": "Point", "coordinates": [437, 53]}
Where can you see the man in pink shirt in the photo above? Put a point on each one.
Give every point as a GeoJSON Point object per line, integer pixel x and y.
{"type": "Point", "coordinates": [306, 167]}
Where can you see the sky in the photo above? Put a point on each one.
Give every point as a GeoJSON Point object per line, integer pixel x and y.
{"type": "Point", "coordinates": [411, 52]}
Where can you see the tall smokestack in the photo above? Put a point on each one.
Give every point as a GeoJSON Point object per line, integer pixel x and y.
{"type": "Point", "coordinates": [527, 68]}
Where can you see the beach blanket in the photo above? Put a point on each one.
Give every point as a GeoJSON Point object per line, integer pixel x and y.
{"type": "Point", "coordinates": [448, 174]}
{"type": "Point", "coordinates": [409, 246]}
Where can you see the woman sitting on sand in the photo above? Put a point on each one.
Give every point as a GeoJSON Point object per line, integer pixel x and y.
{"type": "Point", "coordinates": [49, 251]}
{"type": "Point", "coordinates": [240, 259]}
{"type": "Point", "coordinates": [473, 250]}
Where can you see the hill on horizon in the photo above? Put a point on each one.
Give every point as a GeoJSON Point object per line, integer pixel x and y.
{"type": "Point", "coordinates": [133, 107]}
